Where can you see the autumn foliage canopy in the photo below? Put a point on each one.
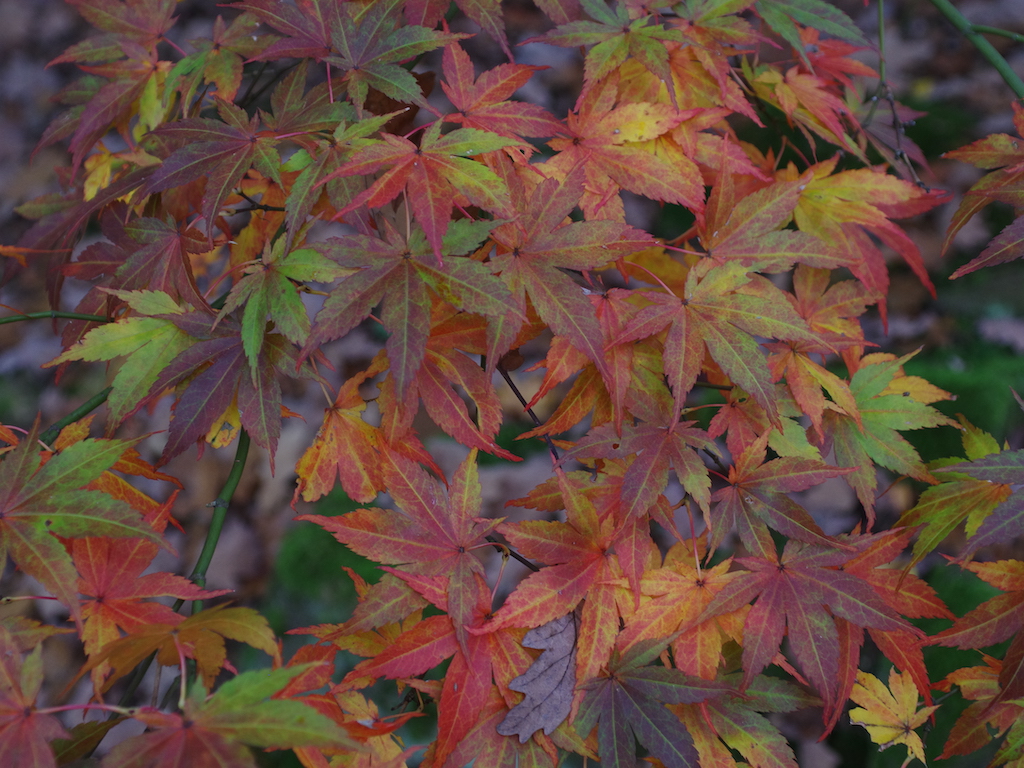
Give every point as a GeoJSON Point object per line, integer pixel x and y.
{"type": "Point", "coordinates": [679, 594]}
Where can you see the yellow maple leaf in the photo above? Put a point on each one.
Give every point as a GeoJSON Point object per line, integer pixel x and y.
{"type": "Point", "coordinates": [890, 714]}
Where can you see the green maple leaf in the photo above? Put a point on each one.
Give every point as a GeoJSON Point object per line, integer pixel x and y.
{"type": "Point", "coordinates": [148, 344]}
{"type": "Point", "coordinates": [39, 502]}
{"type": "Point", "coordinates": [877, 440]}
{"type": "Point", "coordinates": [628, 705]}
{"type": "Point", "coordinates": [997, 471]}
{"type": "Point", "coordinates": [961, 497]}
{"type": "Point", "coordinates": [269, 287]}
{"type": "Point", "coordinates": [204, 353]}
{"type": "Point", "coordinates": [617, 34]}
{"type": "Point", "coordinates": [780, 15]}
{"type": "Point", "coordinates": [218, 730]}
{"type": "Point", "coordinates": [217, 59]}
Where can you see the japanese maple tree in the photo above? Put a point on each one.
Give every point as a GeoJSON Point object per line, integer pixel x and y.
{"type": "Point", "coordinates": [678, 591]}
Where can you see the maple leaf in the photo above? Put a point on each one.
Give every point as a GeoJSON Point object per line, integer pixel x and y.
{"type": "Point", "coordinates": [220, 152]}
{"type": "Point", "coordinates": [734, 721]}
{"type": "Point", "coordinates": [756, 499]}
{"type": "Point", "coordinates": [993, 621]}
{"type": "Point", "coordinates": [832, 57]}
{"type": "Point", "coordinates": [435, 534]}
{"type": "Point", "coordinates": [616, 34]}
{"type": "Point", "coordinates": [579, 566]}
{"type": "Point", "coordinates": [749, 230]}
{"type": "Point", "coordinates": [345, 447]}
{"type": "Point", "coordinates": [481, 103]}
{"type": "Point", "coordinates": [810, 103]}
{"type": "Point", "coordinates": [533, 252]}
{"type": "Point", "coordinates": [215, 730]}
{"type": "Point", "coordinates": [145, 254]}
{"type": "Point", "coordinates": [629, 703]}
{"type": "Point", "coordinates": [143, 22]}
{"type": "Point", "coordinates": [549, 683]}
{"type": "Point", "coordinates": [658, 448]}
{"type": "Point", "coordinates": [784, 15]}
{"type": "Point", "coordinates": [902, 591]}
{"type": "Point", "coordinates": [218, 59]}
{"type": "Point", "coordinates": [132, 30]}
{"type": "Point", "coordinates": [445, 371]}
{"type": "Point", "coordinates": [399, 273]}
{"type": "Point", "coordinates": [365, 43]}
{"type": "Point", "coordinates": [200, 637]}
{"type": "Point", "coordinates": [997, 470]}
{"type": "Point", "coordinates": [941, 508]}
{"type": "Point", "coordinates": [678, 594]}
{"type": "Point", "coordinates": [269, 287]}
{"type": "Point", "coordinates": [148, 343]}
{"type": "Point", "coordinates": [722, 309]}
{"type": "Point", "coordinates": [204, 354]}
{"type": "Point", "coordinates": [618, 147]}
{"type": "Point", "coordinates": [839, 207]}
{"type": "Point", "coordinates": [24, 732]}
{"type": "Point", "coordinates": [486, 744]}
{"type": "Point", "coordinates": [792, 591]}
{"type": "Point", "coordinates": [419, 645]}
{"type": "Point", "coordinates": [886, 403]}
{"type": "Point", "coordinates": [828, 310]}
{"type": "Point", "coordinates": [999, 151]}
{"type": "Point", "coordinates": [62, 219]}
{"type": "Point", "coordinates": [971, 730]}
{"type": "Point", "coordinates": [111, 580]}
{"type": "Point", "coordinates": [890, 715]}
{"type": "Point", "coordinates": [40, 502]}
{"type": "Point", "coordinates": [434, 175]}
{"type": "Point", "coordinates": [28, 633]}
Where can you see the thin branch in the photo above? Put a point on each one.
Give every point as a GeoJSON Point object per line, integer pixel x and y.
{"type": "Point", "coordinates": [256, 206]}
{"type": "Point", "coordinates": [505, 548]}
{"type": "Point", "coordinates": [987, 30]}
{"type": "Point", "coordinates": [536, 421]}
{"type": "Point", "coordinates": [220, 511]}
{"type": "Point", "coordinates": [94, 402]}
{"type": "Point", "coordinates": [985, 48]}
{"type": "Point", "coordinates": [53, 314]}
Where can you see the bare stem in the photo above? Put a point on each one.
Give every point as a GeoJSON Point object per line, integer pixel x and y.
{"type": "Point", "coordinates": [985, 48]}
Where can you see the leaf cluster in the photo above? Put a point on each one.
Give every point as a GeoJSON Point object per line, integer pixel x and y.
{"type": "Point", "coordinates": [355, 190]}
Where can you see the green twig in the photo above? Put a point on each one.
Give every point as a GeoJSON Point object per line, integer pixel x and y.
{"type": "Point", "coordinates": [52, 315]}
{"type": "Point", "coordinates": [985, 48]}
{"type": "Point", "coordinates": [987, 30]}
{"type": "Point", "coordinates": [710, 385]}
{"type": "Point", "coordinates": [81, 411]}
{"type": "Point", "coordinates": [220, 511]}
